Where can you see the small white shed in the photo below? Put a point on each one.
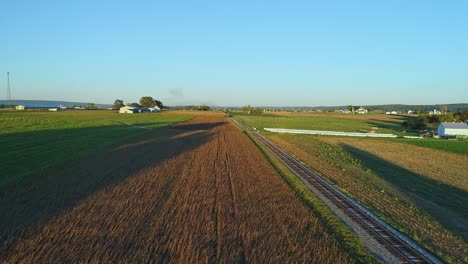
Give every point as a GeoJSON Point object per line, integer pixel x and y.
{"type": "Point", "coordinates": [361, 110]}
{"type": "Point", "coordinates": [129, 110]}
{"type": "Point", "coordinates": [19, 107]}
{"type": "Point", "coordinates": [452, 129]}
{"type": "Point", "coordinates": [154, 109]}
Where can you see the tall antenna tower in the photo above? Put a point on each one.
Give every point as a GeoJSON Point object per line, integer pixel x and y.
{"type": "Point", "coordinates": [8, 90]}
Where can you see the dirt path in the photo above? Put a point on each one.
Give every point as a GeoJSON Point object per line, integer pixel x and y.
{"type": "Point", "coordinates": [196, 192]}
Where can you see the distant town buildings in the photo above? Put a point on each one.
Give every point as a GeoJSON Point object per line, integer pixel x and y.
{"type": "Point", "coordinates": [435, 112]}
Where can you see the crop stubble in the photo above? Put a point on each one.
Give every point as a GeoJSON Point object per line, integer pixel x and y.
{"type": "Point", "coordinates": [199, 191]}
{"type": "Point", "coordinates": [375, 193]}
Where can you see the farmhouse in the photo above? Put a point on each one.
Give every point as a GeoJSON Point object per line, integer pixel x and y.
{"type": "Point", "coordinates": [20, 107]}
{"type": "Point", "coordinates": [129, 110]}
{"type": "Point", "coordinates": [361, 110]}
{"type": "Point", "coordinates": [452, 129]}
{"type": "Point", "coordinates": [55, 109]}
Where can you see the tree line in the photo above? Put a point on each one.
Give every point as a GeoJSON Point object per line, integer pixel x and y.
{"type": "Point", "coordinates": [145, 102]}
{"type": "Point", "coordinates": [426, 120]}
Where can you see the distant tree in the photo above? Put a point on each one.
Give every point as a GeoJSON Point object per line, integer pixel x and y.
{"type": "Point", "coordinates": [350, 107]}
{"type": "Point", "coordinates": [135, 105]}
{"type": "Point", "coordinates": [118, 104]}
{"type": "Point", "coordinates": [443, 109]}
{"type": "Point", "coordinates": [414, 123]}
{"type": "Point", "coordinates": [463, 116]}
{"type": "Point", "coordinates": [257, 110]}
{"type": "Point", "coordinates": [203, 108]}
{"type": "Point", "coordinates": [159, 104]}
{"type": "Point", "coordinates": [91, 106]}
{"type": "Point", "coordinates": [247, 108]}
{"type": "Point", "coordinates": [147, 102]}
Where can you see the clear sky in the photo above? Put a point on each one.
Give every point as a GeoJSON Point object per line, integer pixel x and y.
{"type": "Point", "coordinates": [305, 53]}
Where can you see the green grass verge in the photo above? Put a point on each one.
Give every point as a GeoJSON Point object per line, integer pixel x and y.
{"type": "Point", "coordinates": [350, 242]}
{"type": "Point", "coordinates": [31, 141]}
{"type": "Point", "coordinates": [326, 122]}
{"type": "Point", "coordinates": [453, 146]}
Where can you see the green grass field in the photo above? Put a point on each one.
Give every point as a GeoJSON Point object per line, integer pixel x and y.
{"type": "Point", "coordinates": [336, 122]}
{"type": "Point", "coordinates": [31, 141]}
{"type": "Point", "coordinates": [330, 121]}
{"type": "Point", "coordinates": [454, 146]}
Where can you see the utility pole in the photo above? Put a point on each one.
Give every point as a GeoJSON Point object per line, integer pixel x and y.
{"type": "Point", "coordinates": [8, 90]}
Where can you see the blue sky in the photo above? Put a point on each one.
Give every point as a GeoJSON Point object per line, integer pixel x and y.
{"type": "Point", "coordinates": [237, 52]}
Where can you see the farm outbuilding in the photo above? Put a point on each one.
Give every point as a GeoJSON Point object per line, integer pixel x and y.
{"type": "Point", "coordinates": [154, 109]}
{"type": "Point", "coordinates": [361, 110]}
{"type": "Point", "coordinates": [20, 107]}
{"type": "Point", "coordinates": [129, 110]}
{"type": "Point", "coordinates": [452, 129]}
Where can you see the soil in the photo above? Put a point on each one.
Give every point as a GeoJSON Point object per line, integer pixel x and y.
{"type": "Point", "coordinates": [195, 192]}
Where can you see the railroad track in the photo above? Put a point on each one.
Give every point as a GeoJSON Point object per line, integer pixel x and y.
{"type": "Point", "coordinates": [400, 246]}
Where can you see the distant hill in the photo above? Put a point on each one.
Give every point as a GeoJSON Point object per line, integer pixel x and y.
{"type": "Point", "coordinates": [46, 103]}
{"type": "Point", "coordinates": [389, 107]}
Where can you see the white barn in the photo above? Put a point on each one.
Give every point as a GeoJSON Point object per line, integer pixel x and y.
{"type": "Point", "coordinates": [154, 109]}
{"type": "Point", "coordinates": [452, 129]}
{"type": "Point", "coordinates": [361, 110]}
{"type": "Point", "coordinates": [129, 110]}
{"type": "Point", "coordinates": [20, 107]}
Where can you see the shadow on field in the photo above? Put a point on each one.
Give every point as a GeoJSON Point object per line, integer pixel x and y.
{"type": "Point", "coordinates": [197, 126]}
{"type": "Point", "coordinates": [33, 201]}
{"type": "Point", "coordinates": [445, 202]}
{"type": "Point", "coordinates": [28, 151]}
{"type": "Point", "coordinates": [387, 124]}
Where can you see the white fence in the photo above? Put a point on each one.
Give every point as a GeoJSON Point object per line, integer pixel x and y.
{"type": "Point", "coordinates": [329, 133]}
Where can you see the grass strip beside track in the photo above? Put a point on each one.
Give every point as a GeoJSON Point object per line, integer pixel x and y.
{"type": "Point", "coordinates": [343, 233]}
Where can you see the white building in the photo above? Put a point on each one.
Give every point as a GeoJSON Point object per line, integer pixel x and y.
{"type": "Point", "coordinates": [452, 129]}
{"type": "Point", "coordinates": [154, 109]}
{"type": "Point", "coordinates": [56, 109]}
{"type": "Point", "coordinates": [19, 107]}
{"type": "Point", "coordinates": [361, 110]}
{"type": "Point", "coordinates": [435, 112]}
{"type": "Point", "coordinates": [410, 112]}
{"type": "Point", "coordinates": [387, 113]}
{"type": "Point", "coordinates": [394, 112]}
{"type": "Point", "coordinates": [129, 110]}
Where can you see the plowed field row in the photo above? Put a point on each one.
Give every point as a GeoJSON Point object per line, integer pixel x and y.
{"type": "Point", "coordinates": [197, 192]}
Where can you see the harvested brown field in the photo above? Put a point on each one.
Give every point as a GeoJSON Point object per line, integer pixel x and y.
{"type": "Point", "coordinates": [199, 191]}
{"type": "Point", "coordinates": [429, 210]}
{"type": "Point", "coordinates": [448, 168]}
